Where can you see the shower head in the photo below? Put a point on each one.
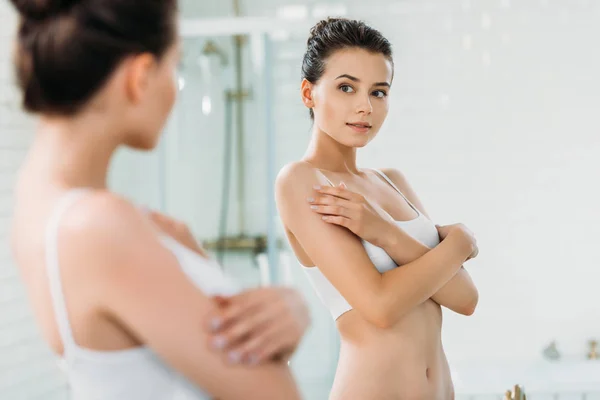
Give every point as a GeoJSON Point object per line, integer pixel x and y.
{"type": "Point", "coordinates": [211, 48]}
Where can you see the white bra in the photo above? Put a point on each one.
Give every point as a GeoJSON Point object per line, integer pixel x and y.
{"type": "Point", "coordinates": [420, 228]}
{"type": "Point", "coordinates": [131, 374]}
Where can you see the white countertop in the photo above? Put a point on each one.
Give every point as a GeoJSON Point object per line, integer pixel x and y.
{"type": "Point", "coordinates": [534, 376]}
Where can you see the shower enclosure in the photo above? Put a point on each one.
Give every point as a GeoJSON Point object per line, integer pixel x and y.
{"type": "Point", "coordinates": [217, 151]}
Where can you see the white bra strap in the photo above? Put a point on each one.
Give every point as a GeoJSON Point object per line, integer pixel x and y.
{"type": "Point", "coordinates": [325, 176]}
{"type": "Point", "coordinates": [388, 180]}
{"type": "Point", "coordinates": [53, 267]}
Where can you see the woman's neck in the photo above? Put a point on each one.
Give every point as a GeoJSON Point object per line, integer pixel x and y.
{"type": "Point", "coordinates": [76, 152]}
{"type": "Point", "coordinates": [329, 155]}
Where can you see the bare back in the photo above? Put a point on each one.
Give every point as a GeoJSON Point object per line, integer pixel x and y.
{"type": "Point", "coordinates": [92, 328]}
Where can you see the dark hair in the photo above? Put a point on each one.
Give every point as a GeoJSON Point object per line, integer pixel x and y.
{"type": "Point", "coordinates": [67, 49]}
{"type": "Point", "coordinates": [333, 34]}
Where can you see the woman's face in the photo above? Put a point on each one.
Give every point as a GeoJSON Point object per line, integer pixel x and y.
{"type": "Point", "coordinates": [350, 100]}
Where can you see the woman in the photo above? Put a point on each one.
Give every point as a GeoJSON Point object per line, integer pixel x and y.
{"type": "Point", "coordinates": [351, 228]}
{"type": "Point", "coordinates": [122, 295]}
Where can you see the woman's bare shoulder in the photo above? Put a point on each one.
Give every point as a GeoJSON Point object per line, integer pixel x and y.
{"type": "Point", "coordinates": [296, 170]}
{"type": "Point", "coordinates": [298, 177]}
{"type": "Point", "coordinates": [103, 226]}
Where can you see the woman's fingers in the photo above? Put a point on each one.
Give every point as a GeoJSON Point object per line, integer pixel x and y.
{"type": "Point", "coordinates": [258, 324]}
{"type": "Point", "coordinates": [329, 200]}
{"type": "Point", "coordinates": [332, 210]}
{"type": "Point", "coordinates": [230, 309]}
{"type": "Point", "coordinates": [273, 348]}
{"type": "Point", "coordinates": [341, 192]}
{"type": "Point", "coordinates": [263, 344]}
{"type": "Point", "coordinates": [337, 191]}
{"type": "Point", "coordinates": [235, 337]}
{"type": "Point", "coordinates": [341, 221]}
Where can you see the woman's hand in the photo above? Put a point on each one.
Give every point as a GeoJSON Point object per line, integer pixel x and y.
{"type": "Point", "coordinates": [177, 230]}
{"type": "Point", "coordinates": [342, 207]}
{"type": "Point", "coordinates": [259, 325]}
{"type": "Point", "coordinates": [465, 233]}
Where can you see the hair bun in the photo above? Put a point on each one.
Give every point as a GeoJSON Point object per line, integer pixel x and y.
{"type": "Point", "coordinates": [41, 9]}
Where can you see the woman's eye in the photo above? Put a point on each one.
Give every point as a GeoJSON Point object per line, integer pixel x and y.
{"type": "Point", "coordinates": [346, 89]}
{"type": "Point", "coordinates": [379, 93]}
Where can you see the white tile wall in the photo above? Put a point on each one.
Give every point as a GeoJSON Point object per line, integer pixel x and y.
{"type": "Point", "coordinates": [27, 368]}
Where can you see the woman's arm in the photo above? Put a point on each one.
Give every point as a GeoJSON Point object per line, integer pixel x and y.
{"type": "Point", "coordinates": [138, 283]}
{"type": "Point", "coordinates": [459, 294]}
{"type": "Point", "coordinates": [384, 298]}
{"type": "Point", "coordinates": [260, 324]}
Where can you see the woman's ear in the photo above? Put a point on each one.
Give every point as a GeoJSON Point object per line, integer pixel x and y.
{"type": "Point", "coordinates": [137, 77]}
{"type": "Point", "coordinates": [306, 91]}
